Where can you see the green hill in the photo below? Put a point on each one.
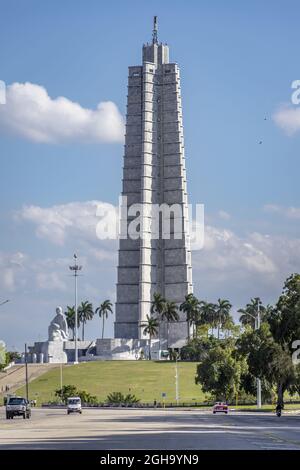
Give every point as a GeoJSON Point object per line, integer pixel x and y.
{"type": "Point", "coordinates": [145, 379]}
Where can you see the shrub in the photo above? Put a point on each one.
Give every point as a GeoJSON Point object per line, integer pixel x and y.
{"type": "Point", "coordinates": [119, 398]}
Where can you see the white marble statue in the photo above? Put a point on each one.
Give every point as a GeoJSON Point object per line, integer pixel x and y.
{"type": "Point", "coordinates": [58, 328]}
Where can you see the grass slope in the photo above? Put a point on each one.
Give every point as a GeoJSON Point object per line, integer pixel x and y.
{"type": "Point", "coordinates": [145, 379]}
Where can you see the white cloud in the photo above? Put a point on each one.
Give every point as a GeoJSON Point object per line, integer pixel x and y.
{"type": "Point", "coordinates": [74, 224]}
{"type": "Point", "coordinates": [50, 281]}
{"type": "Point", "coordinates": [11, 264]}
{"type": "Point", "coordinates": [224, 251]}
{"type": "Point", "coordinates": [289, 212]}
{"type": "Point", "coordinates": [229, 265]}
{"type": "Point", "coordinates": [78, 220]}
{"type": "Point", "coordinates": [31, 113]}
{"type": "Point", "coordinates": [224, 215]}
{"type": "Point", "coordinates": [288, 119]}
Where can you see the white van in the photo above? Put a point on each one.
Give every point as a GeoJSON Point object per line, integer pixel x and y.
{"type": "Point", "coordinates": [74, 405]}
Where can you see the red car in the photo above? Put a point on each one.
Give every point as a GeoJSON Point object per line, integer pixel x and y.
{"type": "Point", "coordinates": [220, 407]}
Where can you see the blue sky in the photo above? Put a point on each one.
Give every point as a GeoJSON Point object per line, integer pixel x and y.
{"type": "Point", "coordinates": [238, 60]}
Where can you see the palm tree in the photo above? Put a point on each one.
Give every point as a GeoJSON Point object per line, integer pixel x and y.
{"type": "Point", "coordinates": [170, 314]}
{"type": "Point", "coordinates": [103, 310]}
{"type": "Point", "coordinates": [70, 317]}
{"type": "Point", "coordinates": [158, 307]}
{"type": "Point", "coordinates": [208, 314]}
{"type": "Point", "coordinates": [85, 313]}
{"type": "Point", "coordinates": [158, 304]}
{"type": "Point", "coordinates": [250, 312]}
{"type": "Point", "coordinates": [151, 329]}
{"type": "Point", "coordinates": [222, 311]}
{"type": "Point", "coordinates": [190, 307]}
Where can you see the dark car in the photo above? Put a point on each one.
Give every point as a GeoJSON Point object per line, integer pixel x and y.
{"type": "Point", "coordinates": [18, 406]}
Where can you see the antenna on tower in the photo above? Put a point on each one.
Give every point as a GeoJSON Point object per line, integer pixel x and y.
{"type": "Point", "coordinates": [154, 32]}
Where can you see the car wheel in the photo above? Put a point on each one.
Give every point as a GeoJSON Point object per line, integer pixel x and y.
{"type": "Point", "coordinates": [214, 412]}
{"type": "Point", "coordinates": [7, 416]}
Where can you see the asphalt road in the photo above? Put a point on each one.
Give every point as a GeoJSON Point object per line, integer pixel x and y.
{"type": "Point", "coordinates": [149, 429]}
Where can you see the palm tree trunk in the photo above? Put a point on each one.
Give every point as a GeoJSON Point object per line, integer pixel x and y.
{"type": "Point", "coordinates": [83, 330]}
{"type": "Point", "coordinates": [103, 326]}
{"type": "Point", "coordinates": [218, 331]}
{"type": "Point", "coordinates": [150, 347]}
{"type": "Point", "coordinates": [168, 333]}
{"type": "Point", "coordinates": [159, 338]}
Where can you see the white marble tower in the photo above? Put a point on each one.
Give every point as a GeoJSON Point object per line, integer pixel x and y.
{"type": "Point", "coordinates": [154, 173]}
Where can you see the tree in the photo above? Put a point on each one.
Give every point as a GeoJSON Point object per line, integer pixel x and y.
{"type": "Point", "coordinates": [151, 329]}
{"type": "Point", "coordinates": [230, 328]}
{"type": "Point", "coordinates": [103, 311]}
{"type": "Point", "coordinates": [68, 391]}
{"type": "Point", "coordinates": [208, 314]}
{"type": "Point", "coordinates": [267, 359]}
{"type": "Point", "coordinates": [170, 314]}
{"type": "Point", "coordinates": [197, 349]}
{"type": "Point", "coordinates": [284, 319]}
{"type": "Point", "coordinates": [249, 386]}
{"type": "Point", "coordinates": [157, 307]}
{"type": "Point", "coordinates": [85, 313]}
{"type": "Point", "coordinates": [190, 307]}
{"type": "Point", "coordinates": [70, 317]}
{"type": "Point", "coordinates": [65, 392]}
{"type": "Point", "coordinates": [220, 372]}
{"type": "Point", "coordinates": [249, 314]}
{"type": "Point", "coordinates": [7, 357]}
{"type": "Point", "coordinates": [222, 312]}
{"type": "Point", "coordinates": [86, 398]}
{"type": "Point", "coordinates": [2, 355]}
{"type": "Point", "coordinates": [158, 304]}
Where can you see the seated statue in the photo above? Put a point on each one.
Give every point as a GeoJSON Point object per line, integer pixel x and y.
{"type": "Point", "coordinates": [58, 328]}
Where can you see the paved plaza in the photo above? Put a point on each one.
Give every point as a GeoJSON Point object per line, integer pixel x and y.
{"type": "Point", "coordinates": [149, 429]}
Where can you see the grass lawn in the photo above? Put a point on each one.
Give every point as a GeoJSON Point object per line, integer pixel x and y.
{"type": "Point", "coordinates": [287, 407]}
{"type": "Point", "coordinates": [145, 379]}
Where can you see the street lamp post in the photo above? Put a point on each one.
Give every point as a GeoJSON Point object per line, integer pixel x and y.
{"type": "Point", "coordinates": [61, 382]}
{"type": "Point", "coordinates": [75, 268]}
{"type": "Point", "coordinates": [176, 382]}
{"type": "Point", "coordinates": [257, 321]}
{"type": "Point", "coordinates": [26, 372]}
{"type": "Point", "coordinates": [258, 381]}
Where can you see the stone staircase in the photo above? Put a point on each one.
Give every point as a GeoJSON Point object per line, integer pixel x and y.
{"type": "Point", "coordinates": [14, 377]}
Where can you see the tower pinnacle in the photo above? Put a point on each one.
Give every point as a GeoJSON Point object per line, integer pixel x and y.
{"type": "Point", "coordinates": [155, 30]}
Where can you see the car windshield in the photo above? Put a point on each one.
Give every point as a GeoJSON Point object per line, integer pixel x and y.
{"type": "Point", "coordinates": [17, 401]}
{"type": "Point", "coordinates": [74, 401]}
